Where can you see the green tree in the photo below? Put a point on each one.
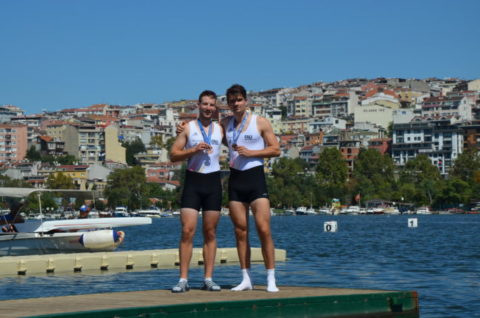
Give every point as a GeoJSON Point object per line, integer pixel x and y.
{"type": "Point", "coordinates": [157, 141]}
{"type": "Point", "coordinates": [454, 191]}
{"type": "Point", "coordinates": [126, 187]}
{"type": "Point", "coordinates": [426, 178]}
{"type": "Point", "coordinates": [132, 148]}
{"type": "Point", "coordinates": [288, 183]}
{"type": "Point", "coordinates": [466, 166]}
{"type": "Point", "coordinates": [373, 174]}
{"type": "Point", "coordinates": [33, 154]}
{"type": "Point", "coordinates": [59, 180]}
{"type": "Point", "coordinates": [66, 159]}
{"type": "Point", "coordinates": [331, 174]}
{"type": "Point", "coordinates": [169, 144]}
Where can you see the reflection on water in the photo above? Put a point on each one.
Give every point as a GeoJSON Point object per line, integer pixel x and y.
{"type": "Point", "coordinates": [440, 260]}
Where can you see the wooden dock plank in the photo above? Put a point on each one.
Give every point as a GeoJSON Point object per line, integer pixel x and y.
{"type": "Point", "coordinates": [154, 300]}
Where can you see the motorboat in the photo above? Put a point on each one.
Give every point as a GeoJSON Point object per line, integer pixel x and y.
{"type": "Point", "coordinates": [423, 210]}
{"type": "Point", "coordinates": [38, 236]}
{"type": "Point", "coordinates": [301, 210]}
{"type": "Point", "coordinates": [152, 212]}
{"type": "Point", "coordinates": [352, 210]}
{"type": "Point", "coordinates": [324, 210]}
{"type": "Point", "coordinates": [121, 211]}
{"type": "Point", "coordinates": [391, 210]}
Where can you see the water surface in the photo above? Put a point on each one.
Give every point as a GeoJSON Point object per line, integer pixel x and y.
{"type": "Point", "coordinates": [440, 259]}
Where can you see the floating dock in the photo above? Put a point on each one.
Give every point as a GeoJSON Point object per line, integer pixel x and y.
{"type": "Point", "coordinates": [115, 261]}
{"type": "Point", "coordinates": [288, 302]}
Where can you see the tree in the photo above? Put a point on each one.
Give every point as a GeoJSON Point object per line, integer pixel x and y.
{"type": "Point", "coordinates": [157, 141]}
{"type": "Point", "coordinates": [331, 174]}
{"type": "Point", "coordinates": [33, 154]}
{"type": "Point", "coordinates": [169, 144]}
{"type": "Point", "coordinates": [59, 181]}
{"type": "Point", "coordinates": [466, 166]}
{"type": "Point", "coordinates": [66, 159]}
{"type": "Point", "coordinates": [424, 176]}
{"type": "Point", "coordinates": [288, 184]}
{"type": "Point", "coordinates": [132, 148]}
{"type": "Point", "coordinates": [126, 187]}
{"type": "Point", "coordinates": [373, 173]}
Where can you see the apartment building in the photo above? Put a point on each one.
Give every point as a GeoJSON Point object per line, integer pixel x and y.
{"type": "Point", "coordinates": [13, 142]}
{"type": "Point", "coordinates": [440, 139]}
{"type": "Point", "coordinates": [299, 106]}
{"type": "Point", "coordinates": [457, 105]}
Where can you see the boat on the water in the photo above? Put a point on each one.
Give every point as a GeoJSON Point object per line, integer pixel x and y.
{"type": "Point", "coordinates": [37, 236]}
{"type": "Point", "coordinates": [423, 210]}
{"type": "Point", "coordinates": [152, 212]}
{"type": "Point", "coordinates": [120, 212]}
{"type": "Point", "coordinates": [304, 211]}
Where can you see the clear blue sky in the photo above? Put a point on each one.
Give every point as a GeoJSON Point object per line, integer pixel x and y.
{"type": "Point", "coordinates": [61, 54]}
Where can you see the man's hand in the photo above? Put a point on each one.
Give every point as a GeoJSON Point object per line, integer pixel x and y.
{"type": "Point", "coordinates": [243, 151]}
{"type": "Point", "coordinates": [202, 146]}
{"type": "Point", "coordinates": [180, 127]}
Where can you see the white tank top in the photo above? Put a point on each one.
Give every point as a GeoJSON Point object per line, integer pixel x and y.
{"type": "Point", "coordinates": [204, 162]}
{"type": "Point", "coordinates": [251, 139]}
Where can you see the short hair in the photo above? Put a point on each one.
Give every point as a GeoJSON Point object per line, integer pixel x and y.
{"type": "Point", "coordinates": [207, 93]}
{"type": "Point", "coordinates": [237, 89]}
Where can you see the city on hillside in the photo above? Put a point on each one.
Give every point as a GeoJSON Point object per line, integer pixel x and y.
{"type": "Point", "coordinates": [403, 118]}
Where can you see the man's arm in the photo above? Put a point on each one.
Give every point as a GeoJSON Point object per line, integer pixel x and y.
{"type": "Point", "coordinates": [178, 151]}
{"type": "Point", "coordinates": [224, 124]}
{"type": "Point", "coordinates": [272, 148]}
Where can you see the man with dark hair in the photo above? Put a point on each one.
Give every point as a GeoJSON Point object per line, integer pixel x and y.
{"type": "Point", "coordinates": [250, 139]}
{"type": "Point", "coordinates": [200, 143]}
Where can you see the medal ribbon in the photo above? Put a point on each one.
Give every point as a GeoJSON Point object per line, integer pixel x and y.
{"type": "Point", "coordinates": [238, 131]}
{"type": "Point", "coordinates": [207, 139]}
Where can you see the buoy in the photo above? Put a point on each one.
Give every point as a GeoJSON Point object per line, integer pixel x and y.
{"type": "Point", "coordinates": [100, 239]}
{"type": "Point", "coordinates": [330, 226]}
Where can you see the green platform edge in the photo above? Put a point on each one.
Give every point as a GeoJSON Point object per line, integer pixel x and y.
{"type": "Point", "coordinates": [387, 304]}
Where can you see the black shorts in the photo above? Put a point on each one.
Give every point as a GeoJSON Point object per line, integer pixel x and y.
{"type": "Point", "coordinates": [247, 185]}
{"type": "Point", "coordinates": [202, 191]}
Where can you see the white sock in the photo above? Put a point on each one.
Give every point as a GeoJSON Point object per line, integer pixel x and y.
{"type": "Point", "coordinates": [183, 280]}
{"type": "Point", "coordinates": [208, 279]}
{"type": "Point", "coordinates": [271, 283]}
{"type": "Point", "coordinates": [246, 283]}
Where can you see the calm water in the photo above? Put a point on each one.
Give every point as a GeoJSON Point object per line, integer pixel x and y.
{"type": "Point", "coordinates": [440, 260]}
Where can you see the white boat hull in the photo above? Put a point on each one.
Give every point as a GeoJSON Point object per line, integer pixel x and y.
{"type": "Point", "coordinates": [14, 244]}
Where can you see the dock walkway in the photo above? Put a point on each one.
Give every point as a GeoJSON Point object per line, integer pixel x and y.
{"type": "Point", "coordinates": [288, 302]}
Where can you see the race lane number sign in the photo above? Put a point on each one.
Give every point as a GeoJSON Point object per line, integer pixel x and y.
{"type": "Point", "coordinates": [330, 226]}
{"type": "Point", "coordinates": [412, 222]}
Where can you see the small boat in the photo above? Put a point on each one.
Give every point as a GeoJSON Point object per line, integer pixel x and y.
{"type": "Point", "coordinates": [391, 210]}
{"type": "Point", "coordinates": [423, 210]}
{"type": "Point", "coordinates": [121, 212]}
{"type": "Point", "coordinates": [152, 212]}
{"type": "Point", "coordinates": [288, 212]}
{"type": "Point", "coordinates": [301, 210]}
{"type": "Point", "coordinates": [324, 210]}
{"type": "Point", "coordinates": [351, 210]}
{"type": "Point", "coordinates": [38, 236]}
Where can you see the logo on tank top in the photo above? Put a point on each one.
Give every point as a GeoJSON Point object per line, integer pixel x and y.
{"type": "Point", "coordinates": [248, 137]}
{"type": "Point", "coordinates": [215, 142]}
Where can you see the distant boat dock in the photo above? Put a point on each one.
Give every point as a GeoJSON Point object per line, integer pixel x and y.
{"type": "Point", "coordinates": [115, 261]}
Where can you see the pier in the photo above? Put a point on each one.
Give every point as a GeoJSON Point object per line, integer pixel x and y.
{"type": "Point", "coordinates": [288, 302]}
{"type": "Point", "coordinates": [115, 261]}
